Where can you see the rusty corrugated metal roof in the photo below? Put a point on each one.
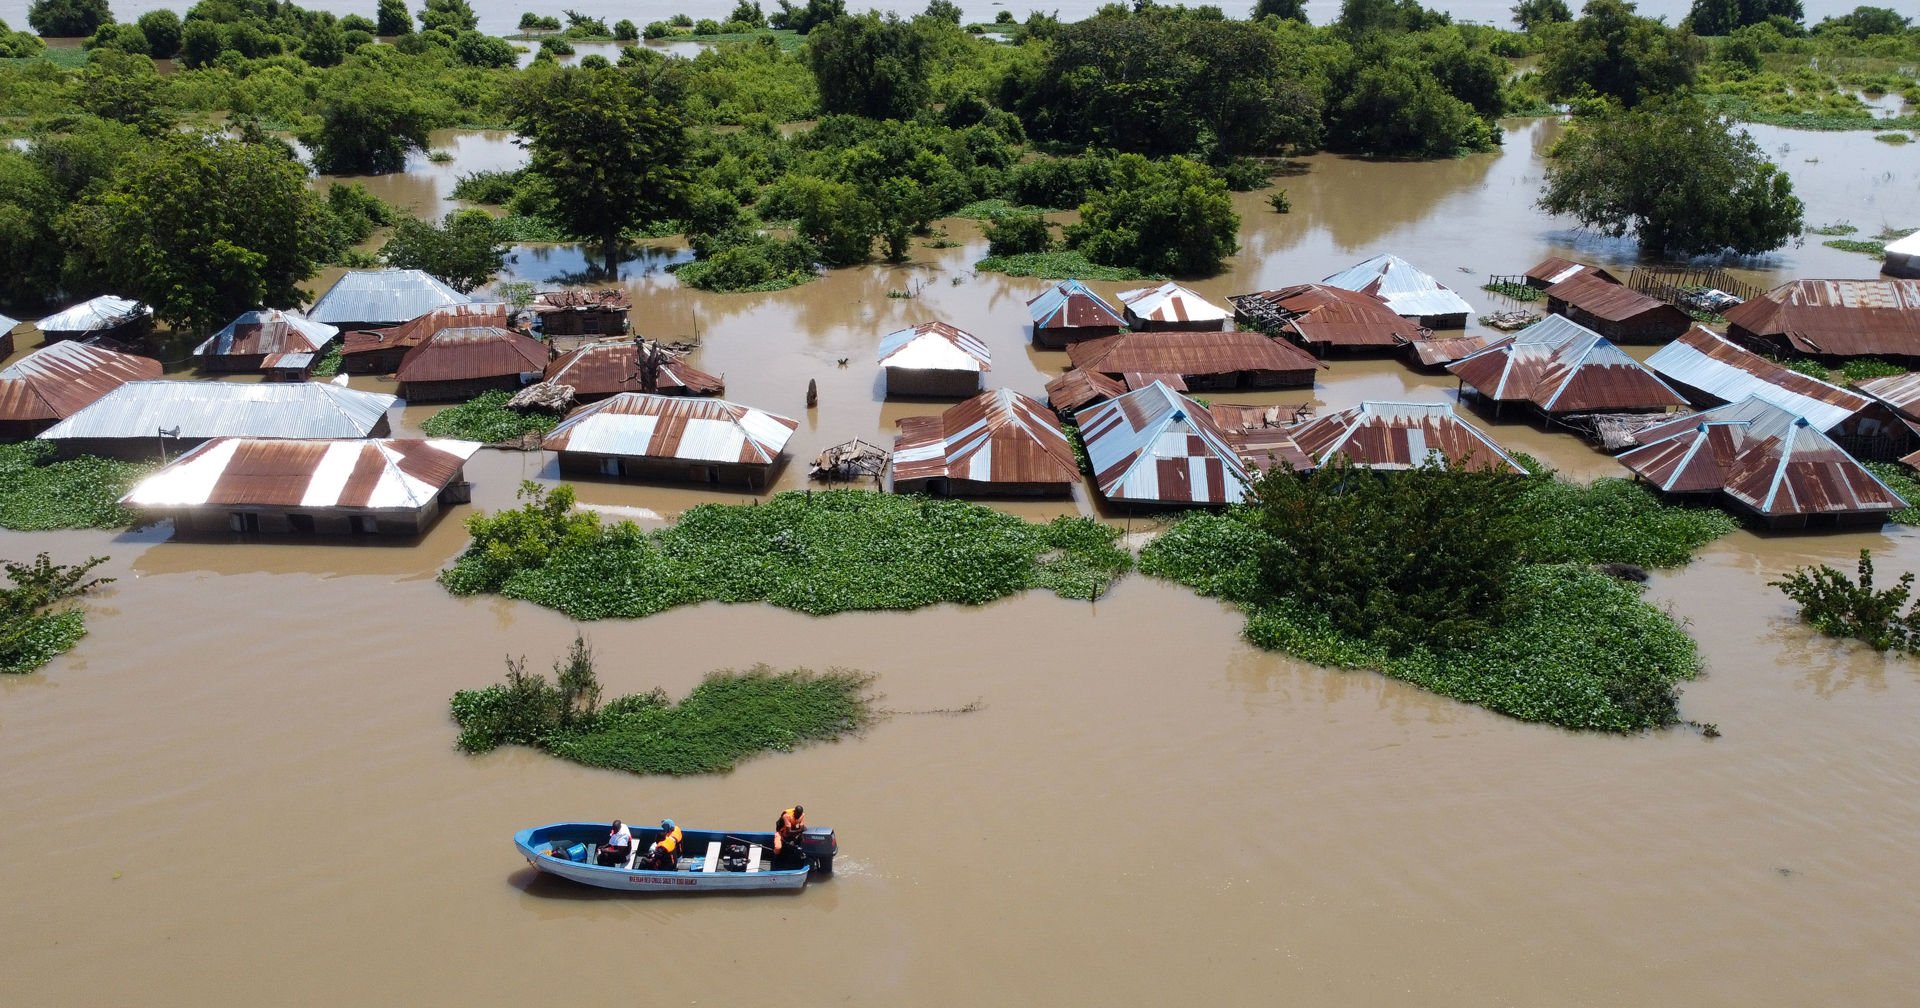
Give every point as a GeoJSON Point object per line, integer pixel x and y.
{"type": "Point", "coordinates": [472, 352]}
{"type": "Point", "coordinates": [268, 331]}
{"type": "Point", "coordinates": [1902, 392]}
{"type": "Point", "coordinates": [1191, 354]}
{"type": "Point", "coordinates": [1262, 435]}
{"type": "Point", "coordinates": [413, 332]}
{"type": "Point", "coordinates": [1765, 459]}
{"type": "Point", "coordinates": [999, 436]}
{"type": "Point", "coordinates": [1387, 435]}
{"type": "Point", "coordinates": [1840, 318]}
{"type": "Point", "coordinates": [1319, 314]}
{"type": "Point", "coordinates": [1154, 445]}
{"type": "Point", "coordinates": [607, 368]}
{"type": "Point", "coordinates": [606, 299]}
{"type": "Point", "coordinates": [1714, 365]}
{"type": "Point", "coordinates": [61, 379]}
{"type": "Point", "coordinates": [1554, 269]}
{"type": "Point", "coordinates": [1561, 366]}
{"type": "Point", "coordinates": [1075, 389]}
{"type": "Point", "coordinates": [375, 474]}
{"type": "Point", "coordinates": [1170, 304]}
{"type": "Point", "coordinates": [1438, 351]}
{"type": "Point", "coordinates": [673, 427]}
{"type": "Point", "coordinates": [1069, 304]}
{"type": "Point", "coordinates": [1610, 301]}
{"type": "Point", "coordinates": [935, 346]}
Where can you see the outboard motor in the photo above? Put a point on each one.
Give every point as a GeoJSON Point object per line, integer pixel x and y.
{"type": "Point", "coordinates": [820, 846]}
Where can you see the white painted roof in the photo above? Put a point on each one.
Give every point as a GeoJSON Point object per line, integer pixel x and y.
{"type": "Point", "coordinates": [935, 346]}
{"type": "Point", "coordinates": [215, 409]}
{"type": "Point", "coordinates": [1405, 289]}
{"type": "Point", "coordinates": [1171, 302]}
{"type": "Point", "coordinates": [103, 312]}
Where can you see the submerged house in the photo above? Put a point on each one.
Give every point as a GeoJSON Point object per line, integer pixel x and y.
{"type": "Point", "coordinates": [146, 419]}
{"type": "Point", "coordinates": [1405, 291]}
{"type": "Point", "coordinates": [269, 340]}
{"type": "Point", "coordinates": [1554, 269]}
{"type": "Point", "coordinates": [1434, 353]}
{"type": "Point", "coordinates": [1616, 311]}
{"type": "Point", "coordinates": [374, 299]}
{"type": "Point", "coordinates": [674, 438]}
{"type": "Point", "coordinates": [7, 326]}
{"type": "Point", "coordinates": [1558, 367]}
{"type": "Point", "coordinates": [1901, 393]}
{"type": "Point", "coordinates": [598, 370]}
{"type": "Point", "coordinates": [1903, 258]}
{"type": "Point", "coordinates": [1197, 360]}
{"type": "Point", "coordinates": [996, 443]}
{"type": "Point", "coordinates": [464, 362]}
{"type": "Point", "coordinates": [575, 312]}
{"type": "Point", "coordinates": [1171, 307]}
{"type": "Point", "coordinates": [61, 379]}
{"type": "Point", "coordinates": [1069, 312]}
{"type": "Point", "coordinates": [1323, 318]}
{"type": "Point", "coordinates": [1831, 320]}
{"type": "Point", "coordinates": [380, 351]}
{"type": "Point", "coordinates": [1078, 389]}
{"type": "Point", "coordinates": [1390, 435]}
{"type": "Point", "coordinates": [1156, 446]}
{"type": "Point", "coordinates": [109, 315]}
{"type": "Point", "coordinates": [383, 486]}
{"type": "Point", "coordinates": [1713, 371]}
{"type": "Point", "coordinates": [1763, 462]}
{"type": "Point", "coordinates": [934, 359]}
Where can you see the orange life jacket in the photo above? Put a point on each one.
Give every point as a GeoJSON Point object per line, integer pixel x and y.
{"type": "Point", "coordinates": [671, 842]}
{"type": "Point", "coordinates": [791, 825]}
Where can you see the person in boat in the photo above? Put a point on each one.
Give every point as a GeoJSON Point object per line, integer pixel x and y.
{"type": "Point", "coordinates": [664, 855]}
{"type": "Point", "coordinates": [619, 847]}
{"type": "Point", "coordinates": [787, 831]}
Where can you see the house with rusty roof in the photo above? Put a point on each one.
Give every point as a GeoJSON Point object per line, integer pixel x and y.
{"type": "Point", "coordinates": [1323, 318]}
{"type": "Point", "coordinates": [1832, 320]}
{"type": "Point", "coordinates": [672, 438]}
{"type": "Point", "coordinates": [467, 361]}
{"type": "Point", "coordinates": [1392, 435]}
{"type": "Point", "coordinates": [1764, 462]}
{"type": "Point", "coordinates": [1156, 446]}
{"type": "Point", "coordinates": [267, 339]}
{"type": "Point", "coordinates": [1901, 393]}
{"type": "Point", "coordinates": [1079, 389]}
{"type": "Point", "coordinates": [1557, 367]}
{"type": "Point", "coordinates": [998, 443]}
{"type": "Point", "coordinates": [1069, 312]}
{"type": "Point", "coordinates": [7, 326]}
{"type": "Point", "coordinates": [1405, 291]}
{"type": "Point", "coordinates": [147, 419]}
{"type": "Point", "coordinates": [1902, 260]}
{"type": "Point", "coordinates": [598, 370]}
{"type": "Point", "coordinates": [1434, 353]}
{"type": "Point", "coordinates": [1197, 360]}
{"type": "Point", "coordinates": [1171, 307]}
{"type": "Point", "coordinates": [1712, 371]}
{"type": "Point", "coordinates": [375, 299]}
{"type": "Point", "coordinates": [601, 311]}
{"type": "Point", "coordinates": [379, 351]}
{"type": "Point", "coordinates": [1616, 311]}
{"type": "Point", "coordinates": [325, 486]}
{"type": "Point", "coordinates": [1554, 269]}
{"type": "Point", "coordinates": [60, 379]}
{"type": "Point", "coordinates": [109, 316]}
{"type": "Point", "coordinates": [935, 360]}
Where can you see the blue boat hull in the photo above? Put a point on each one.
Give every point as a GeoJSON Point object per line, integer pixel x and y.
{"type": "Point", "coordinates": [538, 846]}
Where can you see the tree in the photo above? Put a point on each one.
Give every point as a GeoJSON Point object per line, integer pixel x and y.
{"type": "Point", "coordinates": [202, 228]}
{"type": "Point", "coordinates": [870, 66]}
{"type": "Point", "coordinates": [612, 149]}
{"type": "Point", "coordinates": [1291, 10]}
{"type": "Point", "coordinates": [475, 49]}
{"type": "Point", "coordinates": [162, 29]}
{"type": "Point", "coordinates": [943, 10]}
{"type": "Point", "coordinates": [1532, 15]}
{"type": "Point", "coordinates": [1864, 22]}
{"type": "Point", "coordinates": [368, 123]}
{"type": "Point", "coordinates": [1612, 53]}
{"type": "Point", "coordinates": [1365, 17]}
{"type": "Point", "coordinates": [1680, 177]}
{"type": "Point", "coordinates": [1393, 105]}
{"type": "Point", "coordinates": [466, 249]}
{"type": "Point", "coordinates": [832, 215]}
{"type": "Point", "coordinates": [124, 87]}
{"type": "Point", "coordinates": [455, 16]}
{"type": "Point", "coordinates": [806, 19]}
{"type": "Point", "coordinates": [34, 627]}
{"type": "Point", "coordinates": [1172, 216]}
{"type": "Point", "coordinates": [1721, 17]}
{"type": "Point", "coordinates": [29, 201]}
{"type": "Point", "coordinates": [68, 18]}
{"type": "Point", "coordinates": [391, 18]}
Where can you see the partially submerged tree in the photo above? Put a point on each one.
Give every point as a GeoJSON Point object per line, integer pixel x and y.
{"type": "Point", "coordinates": [34, 624]}
{"type": "Point", "coordinates": [368, 123]}
{"type": "Point", "coordinates": [68, 18]}
{"type": "Point", "coordinates": [466, 249]}
{"type": "Point", "coordinates": [1678, 176]}
{"type": "Point", "coordinates": [1173, 216]}
{"type": "Point", "coordinates": [870, 66]}
{"type": "Point", "coordinates": [1613, 53]}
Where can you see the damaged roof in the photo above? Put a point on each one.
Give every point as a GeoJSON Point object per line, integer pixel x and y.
{"type": "Point", "coordinates": [415, 331]}
{"type": "Point", "coordinates": [63, 378]}
{"type": "Point", "coordinates": [607, 368]}
{"type": "Point", "coordinates": [935, 346]}
{"type": "Point", "coordinates": [1070, 304]}
{"type": "Point", "coordinates": [1328, 316]}
{"type": "Point", "coordinates": [1401, 287]}
{"type": "Point", "coordinates": [468, 352]}
{"type": "Point", "coordinates": [1391, 435]}
{"type": "Point", "coordinates": [213, 409]}
{"type": "Point", "coordinates": [1077, 388]}
{"type": "Point", "coordinates": [1554, 269]}
{"type": "Point", "coordinates": [674, 427]}
{"type": "Point", "coordinates": [1155, 445]}
{"type": "Point", "coordinates": [998, 436]}
{"type": "Point", "coordinates": [1704, 360]}
{"type": "Point", "coordinates": [1561, 366]}
{"type": "Point", "coordinates": [372, 474]}
{"type": "Point", "coordinates": [388, 296]}
{"type": "Point", "coordinates": [103, 312]}
{"type": "Point", "coordinates": [1190, 354]}
{"type": "Point", "coordinates": [607, 299]}
{"type": "Point", "coordinates": [268, 331]}
{"type": "Point", "coordinates": [1839, 318]}
{"type": "Point", "coordinates": [1902, 392]}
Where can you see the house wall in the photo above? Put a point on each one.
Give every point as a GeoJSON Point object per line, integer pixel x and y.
{"type": "Point", "coordinates": [1065, 336]}
{"type": "Point", "coordinates": [1874, 433]}
{"type": "Point", "coordinates": [21, 430]}
{"type": "Point", "coordinates": [583, 323]}
{"type": "Point", "coordinates": [942, 486]}
{"type": "Point", "coordinates": [213, 520]}
{"type": "Point", "coordinates": [130, 332]}
{"type": "Point", "coordinates": [1457, 320]}
{"type": "Point", "coordinates": [932, 383]}
{"type": "Point", "coordinates": [1655, 325]}
{"type": "Point", "coordinates": [6, 343]}
{"type": "Point", "coordinates": [1138, 324]}
{"type": "Point", "coordinates": [1900, 266]}
{"type": "Point", "coordinates": [666, 470]}
{"type": "Point", "coordinates": [381, 361]}
{"type": "Point", "coordinates": [231, 363]}
{"type": "Point", "coordinates": [449, 391]}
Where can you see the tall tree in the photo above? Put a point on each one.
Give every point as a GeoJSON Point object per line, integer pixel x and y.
{"type": "Point", "coordinates": [870, 66]}
{"type": "Point", "coordinates": [1292, 10]}
{"type": "Point", "coordinates": [1721, 17]}
{"type": "Point", "coordinates": [1532, 15]}
{"type": "Point", "coordinates": [391, 17]}
{"type": "Point", "coordinates": [368, 123]}
{"type": "Point", "coordinates": [465, 250]}
{"type": "Point", "coordinates": [1678, 176]}
{"type": "Point", "coordinates": [68, 18]}
{"type": "Point", "coordinates": [1167, 216]}
{"type": "Point", "coordinates": [201, 228]}
{"type": "Point", "coordinates": [611, 148]}
{"type": "Point", "coordinates": [1613, 53]}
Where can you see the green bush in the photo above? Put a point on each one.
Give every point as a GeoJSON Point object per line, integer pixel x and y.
{"type": "Point", "coordinates": [1861, 369]}
{"type": "Point", "coordinates": [1839, 606]}
{"type": "Point", "coordinates": [760, 264]}
{"type": "Point", "coordinates": [487, 419]}
{"type": "Point", "coordinates": [1018, 234]}
{"type": "Point", "coordinates": [37, 493]}
{"type": "Point", "coordinates": [35, 625]}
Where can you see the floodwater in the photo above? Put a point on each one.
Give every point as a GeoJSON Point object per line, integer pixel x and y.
{"type": "Point", "coordinates": [241, 786]}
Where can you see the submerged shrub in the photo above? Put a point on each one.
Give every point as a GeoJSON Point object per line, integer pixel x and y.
{"type": "Point", "coordinates": [1839, 606]}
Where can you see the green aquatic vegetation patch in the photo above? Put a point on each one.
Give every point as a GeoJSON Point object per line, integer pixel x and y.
{"type": "Point", "coordinates": [817, 553]}
{"type": "Point", "coordinates": [329, 363]}
{"type": "Point", "coordinates": [36, 623]}
{"type": "Point", "coordinates": [1614, 521]}
{"type": "Point", "coordinates": [1895, 139]}
{"type": "Point", "coordinates": [1878, 250]}
{"type": "Point", "coordinates": [1901, 481]}
{"type": "Point", "coordinates": [1060, 265]}
{"type": "Point", "coordinates": [488, 420]}
{"type": "Point", "coordinates": [37, 493]}
{"type": "Point", "coordinates": [1514, 291]}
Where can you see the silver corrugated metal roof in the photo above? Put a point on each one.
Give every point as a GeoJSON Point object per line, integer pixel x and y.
{"type": "Point", "coordinates": [103, 312]}
{"type": "Point", "coordinates": [677, 427]}
{"type": "Point", "coordinates": [389, 296]}
{"type": "Point", "coordinates": [1716, 366]}
{"type": "Point", "coordinates": [215, 409]}
{"type": "Point", "coordinates": [278, 323]}
{"type": "Point", "coordinates": [376, 474]}
{"type": "Point", "coordinates": [1155, 445]}
{"type": "Point", "coordinates": [935, 346]}
{"type": "Point", "coordinates": [1171, 302]}
{"type": "Point", "coordinates": [1054, 308]}
{"type": "Point", "coordinates": [7, 324]}
{"type": "Point", "coordinates": [1404, 288]}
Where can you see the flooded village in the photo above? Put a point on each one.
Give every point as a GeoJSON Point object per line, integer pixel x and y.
{"type": "Point", "coordinates": [242, 784]}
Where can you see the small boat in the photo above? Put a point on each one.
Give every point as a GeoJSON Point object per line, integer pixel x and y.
{"type": "Point", "coordinates": [715, 860]}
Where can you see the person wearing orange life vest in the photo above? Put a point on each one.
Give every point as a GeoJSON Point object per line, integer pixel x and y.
{"type": "Point", "coordinates": [665, 852]}
{"type": "Point", "coordinates": [788, 829]}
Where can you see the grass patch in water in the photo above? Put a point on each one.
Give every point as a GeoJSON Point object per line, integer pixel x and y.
{"type": "Point", "coordinates": [815, 552]}
{"type": "Point", "coordinates": [487, 419]}
{"type": "Point", "coordinates": [37, 493]}
{"type": "Point", "coordinates": [329, 363]}
{"type": "Point", "coordinates": [1900, 480]}
{"type": "Point", "coordinates": [1878, 250]}
{"type": "Point", "coordinates": [1062, 265]}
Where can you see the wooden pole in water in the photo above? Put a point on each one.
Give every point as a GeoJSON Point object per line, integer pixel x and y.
{"type": "Point", "coordinates": [813, 393]}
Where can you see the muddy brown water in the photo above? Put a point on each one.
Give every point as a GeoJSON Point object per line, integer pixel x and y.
{"type": "Point", "coordinates": [241, 786]}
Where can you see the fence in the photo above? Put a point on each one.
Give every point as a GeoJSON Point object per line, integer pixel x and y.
{"type": "Point", "coordinates": [1670, 284]}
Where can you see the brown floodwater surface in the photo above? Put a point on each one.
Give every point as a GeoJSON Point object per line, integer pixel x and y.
{"type": "Point", "coordinates": [241, 786]}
